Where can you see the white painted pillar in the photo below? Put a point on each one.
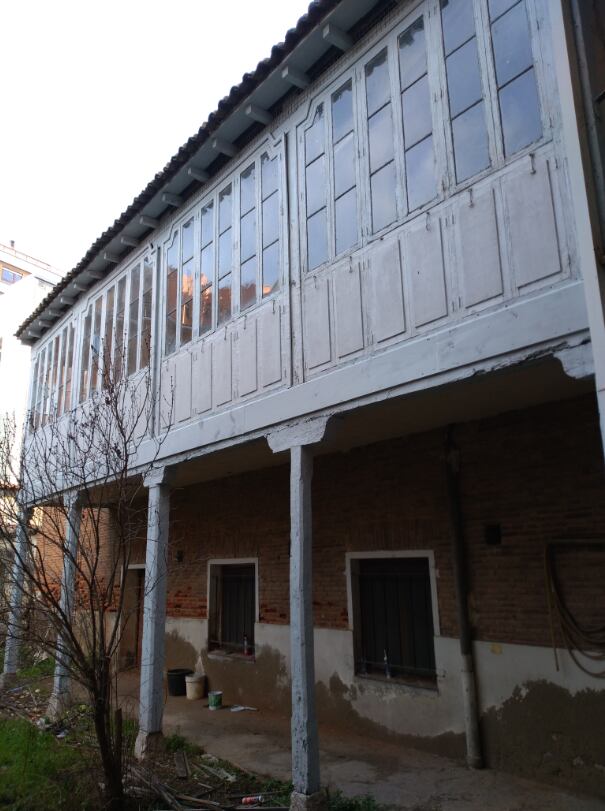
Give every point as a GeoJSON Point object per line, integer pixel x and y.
{"type": "Point", "coordinates": [61, 684]}
{"type": "Point", "coordinates": [13, 638]}
{"type": "Point", "coordinates": [305, 738]}
{"type": "Point", "coordinates": [151, 698]}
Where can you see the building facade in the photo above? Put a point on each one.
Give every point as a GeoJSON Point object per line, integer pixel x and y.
{"type": "Point", "coordinates": [367, 298]}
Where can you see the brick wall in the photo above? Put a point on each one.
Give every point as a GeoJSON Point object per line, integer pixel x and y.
{"type": "Point", "coordinates": [538, 473]}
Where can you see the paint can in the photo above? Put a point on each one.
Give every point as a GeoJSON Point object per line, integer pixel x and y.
{"type": "Point", "coordinates": [196, 686]}
{"type": "Point", "coordinates": [215, 700]}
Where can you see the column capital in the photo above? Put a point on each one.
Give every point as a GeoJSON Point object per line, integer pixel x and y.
{"type": "Point", "coordinates": [297, 434]}
{"type": "Point", "coordinates": [157, 475]}
{"type": "Point", "coordinates": [71, 498]}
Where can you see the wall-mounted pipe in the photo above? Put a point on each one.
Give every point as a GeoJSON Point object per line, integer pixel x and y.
{"type": "Point", "coordinates": [474, 756]}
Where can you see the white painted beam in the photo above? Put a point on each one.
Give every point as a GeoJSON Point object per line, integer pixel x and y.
{"type": "Point", "coordinates": [174, 200]}
{"type": "Point", "coordinates": [295, 77]}
{"type": "Point", "coordinates": [148, 222]}
{"type": "Point", "coordinates": [151, 696]}
{"type": "Point", "coordinates": [129, 242]}
{"type": "Point", "coordinates": [13, 636]}
{"type": "Point", "coordinates": [337, 37]}
{"type": "Point", "coordinates": [66, 300]}
{"type": "Point", "coordinates": [61, 682]}
{"type": "Point", "coordinates": [224, 146]}
{"type": "Point", "coordinates": [257, 113]}
{"type": "Point", "coordinates": [79, 287]}
{"type": "Point", "coordinates": [196, 173]}
{"type": "Point", "coordinates": [94, 274]}
{"type": "Point", "coordinates": [111, 257]}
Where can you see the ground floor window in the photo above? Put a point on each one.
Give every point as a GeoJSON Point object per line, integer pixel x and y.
{"type": "Point", "coordinates": [232, 607]}
{"type": "Point", "coordinates": [393, 618]}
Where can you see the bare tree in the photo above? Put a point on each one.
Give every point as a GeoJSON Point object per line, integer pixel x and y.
{"type": "Point", "coordinates": [68, 534]}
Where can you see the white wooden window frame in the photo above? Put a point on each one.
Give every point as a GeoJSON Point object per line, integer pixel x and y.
{"type": "Point", "coordinates": [442, 135]}
{"type": "Point", "coordinates": [274, 149]}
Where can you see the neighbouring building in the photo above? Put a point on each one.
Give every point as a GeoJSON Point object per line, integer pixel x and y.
{"type": "Point", "coordinates": [368, 295]}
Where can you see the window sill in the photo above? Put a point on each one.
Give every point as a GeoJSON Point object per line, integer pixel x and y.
{"type": "Point", "coordinates": [219, 655]}
{"type": "Point", "coordinates": [422, 686]}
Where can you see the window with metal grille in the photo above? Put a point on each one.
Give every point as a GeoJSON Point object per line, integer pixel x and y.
{"type": "Point", "coordinates": [393, 619]}
{"type": "Point", "coordinates": [232, 607]}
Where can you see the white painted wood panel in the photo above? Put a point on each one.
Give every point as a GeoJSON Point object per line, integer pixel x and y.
{"type": "Point", "coordinates": [222, 379]}
{"type": "Point", "coordinates": [423, 259]}
{"type": "Point", "coordinates": [182, 391]}
{"type": "Point", "coordinates": [316, 323]}
{"type": "Point", "coordinates": [201, 388]}
{"type": "Point", "coordinates": [348, 309]}
{"type": "Point", "coordinates": [385, 285]}
{"type": "Point", "coordinates": [247, 360]}
{"type": "Point", "coordinates": [270, 360]}
{"type": "Point", "coordinates": [533, 238]}
{"type": "Point", "coordinates": [478, 248]}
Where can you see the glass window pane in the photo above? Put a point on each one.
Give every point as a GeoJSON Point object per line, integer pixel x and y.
{"type": "Point", "coordinates": [520, 111]}
{"type": "Point", "coordinates": [224, 209]}
{"type": "Point", "coordinates": [187, 241]}
{"type": "Point", "coordinates": [271, 269]}
{"type": "Point", "coordinates": [346, 221]}
{"type": "Point", "coordinates": [412, 53]}
{"type": "Point", "coordinates": [342, 111]}
{"type": "Point", "coordinates": [207, 265]}
{"type": "Point", "coordinates": [380, 134]}
{"type": "Point", "coordinates": [420, 173]}
{"type": "Point", "coordinates": [316, 185]}
{"type": "Point", "coordinates": [512, 47]}
{"type": "Point", "coordinates": [417, 116]}
{"type": "Point", "coordinates": [458, 22]}
{"type": "Point", "coordinates": [317, 239]}
{"type": "Point", "coordinates": [384, 205]}
{"type": "Point", "coordinates": [463, 78]}
{"type": "Point", "coordinates": [186, 321]}
{"type": "Point", "coordinates": [378, 88]}
{"type": "Point", "coordinates": [497, 7]}
{"type": "Point", "coordinates": [247, 190]}
{"type": "Point", "coordinates": [172, 256]}
{"type": "Point", "coordinates": [470, 142]}
{"type": "Point", "coordinates": [224, 299]}
{"type": "Point", "coordinates": [225, 253]}
{"type": "Point", "coordinates": [268, 175]}
{"type": "Point", "coordinates": [207, 224]}
{"type": "Point", "coordinates": [206, 310]}
{"type": "Point", "coordinates": [187, 281]}
{"type": "Point", "coordinates": [171, 283]}
{"type": "Point", "coordinates": [247, 294]}
{"type": "Point", "coordinates": [344, 165]}
{"type": "Point", "coordinates": [248, 235]}
{"type": "Point", "coordinates": [270, 220]}
{"type": "Point", "coordinates": [170, 332]}
{"type": "Point", "coordinates": [314, 137]}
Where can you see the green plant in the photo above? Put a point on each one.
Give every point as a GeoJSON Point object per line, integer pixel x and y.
{"type": "Point", "coordinates": [338, 802]}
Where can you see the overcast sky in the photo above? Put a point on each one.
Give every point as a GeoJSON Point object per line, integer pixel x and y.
{"type": "Point", "coordinates": [98, 95]}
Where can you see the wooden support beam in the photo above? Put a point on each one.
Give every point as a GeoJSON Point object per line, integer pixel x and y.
{"type": "Point", "coordinates": [94, 274]}
{"type": "Point", "coordinates": [111, 257]}
{"type": "Point", "coordinates": [295, 77]}
{"type": "Point", "coordinates": [226, 147]}
{"type": "Point", "coordinates": [336, 36]}
{"type": "Point", "coordinates": [148, 222]}
{"type": "Point", "coordinates": [129, 242]}
{"type": "Point", "coordinates": [66, 300]}
{"type": "Point", "coordinates": [79, 287]}
{"type": "Point", "coordinates": [174, 200]}
{"type": "Point", "coordinates": [195, 173]}
{"type": "Point", "coordinates": [257, 113]}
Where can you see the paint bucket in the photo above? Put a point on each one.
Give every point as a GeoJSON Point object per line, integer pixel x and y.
{"type": "Point", "coordinates": [176, 681]}
{"type": "Point", "coordinates": [196, 686]}
{"type": "Point", "coordinates": [215, 700]}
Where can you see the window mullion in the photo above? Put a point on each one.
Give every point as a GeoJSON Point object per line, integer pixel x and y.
{"type": "Point", "coordinates": [490, 87]}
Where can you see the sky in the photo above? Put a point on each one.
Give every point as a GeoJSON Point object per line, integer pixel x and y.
{"type": "Point", "coordinates": [97, 96]}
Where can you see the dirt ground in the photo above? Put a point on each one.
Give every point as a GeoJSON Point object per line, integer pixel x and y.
{"type": "Point", "coordinates": [398, 777]}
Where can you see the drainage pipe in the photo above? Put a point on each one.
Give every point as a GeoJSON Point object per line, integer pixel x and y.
{"type": "Point", "coordinates": [474, 756]}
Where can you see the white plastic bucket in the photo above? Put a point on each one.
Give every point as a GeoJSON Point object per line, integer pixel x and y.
{"type": "Point", "coordinates": [195, 686]}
